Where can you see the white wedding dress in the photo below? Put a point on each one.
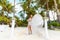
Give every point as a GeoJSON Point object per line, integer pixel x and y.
{"type": "Point", "coordinates": [37, 24]}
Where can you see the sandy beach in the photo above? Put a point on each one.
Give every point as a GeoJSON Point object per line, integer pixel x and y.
{"type": "Point", "coordinates": [20, 33]}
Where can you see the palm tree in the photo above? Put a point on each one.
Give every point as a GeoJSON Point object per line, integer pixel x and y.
{"type": "Point", "coordinates": [6, 6]}
{"type": "Point", "coordinates": [26, 8]}
{"type": "Point", "coordinates": [56, 8]}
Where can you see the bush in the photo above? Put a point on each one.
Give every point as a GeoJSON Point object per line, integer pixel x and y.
{"type": "Point", "coordinates": [54, 24]}
{"type": "Point", "coordinates": [4, 20]}
{"type": "Point", "coordinates": [20, 23]}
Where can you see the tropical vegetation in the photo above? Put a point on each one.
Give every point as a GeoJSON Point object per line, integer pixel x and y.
{"type": "Point", "coordinates": [30, 7]}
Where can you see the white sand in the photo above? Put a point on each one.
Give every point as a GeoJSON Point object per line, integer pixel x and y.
{"type": "Point", "coordinates": [21, 34]}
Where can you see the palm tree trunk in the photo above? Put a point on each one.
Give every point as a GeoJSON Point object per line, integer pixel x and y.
{"type": "Point", "coordinates": [45, 21]}
{"type": "Point", "coordinates": [59, 1]}
{"type": "Point", "coordinates": [13, 22]}
{"type": "Point", "coordinates": [48, 8]}
{"type": "Point", "coordinates": [58, 15]}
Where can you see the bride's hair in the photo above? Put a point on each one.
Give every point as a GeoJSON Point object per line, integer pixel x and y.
{"type": "Point", "coordinates": [31, 15]}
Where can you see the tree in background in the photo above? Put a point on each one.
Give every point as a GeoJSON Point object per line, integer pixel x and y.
{"type": "Point", "coordinates": [6, 7]}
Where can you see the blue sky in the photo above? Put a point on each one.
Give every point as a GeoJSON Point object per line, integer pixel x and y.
{"type": "Point", "coordinates": [12, 1]}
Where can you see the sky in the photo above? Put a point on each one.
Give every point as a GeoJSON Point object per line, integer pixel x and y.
{"type": "Point", "coordinates": [12, 1]}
